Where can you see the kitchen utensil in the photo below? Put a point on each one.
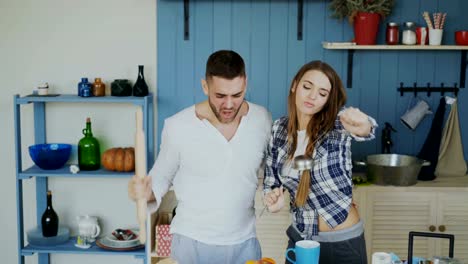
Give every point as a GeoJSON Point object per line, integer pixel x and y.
{"type": "Point", "coordinates": [261, 261]}
{"type": "Point", "coordinates": [412, 234]}
{"type": "Point", "coordinates": [381, 258]}
{"type": "Point", "coordinates": [50, 156]}
{"type": "Point", "coordinates": [35, 237]}
{"type": "Point", "coordinates": [88, 227]}
{"type": "Point", "coordinates": [113, 241]}
{"type": "Point", "coordinates": [417, 110]}
{"type": "Point", "coordinates": [301, 163]}
{"type": "Point", "coordinates": [105, 243]}
{"type": "Point", "coordinates": [140, 171]}
{"type": "Point", "coordinates": [392, 34]}
{"type": "Point", "coordinates": [306, 251]}
{"type": "Point", "coordinates": [393, 169]}
{"type": "Point", "coordinates": [435, 36]}
{"type": "Point", "coordinates": [123, 235]}
{"type": "Point", "coordinates": [409, 34]}
{"type": "Point", "coordinates": [422, 35]}
{"type": "Point", "coordinates": [461, 37]}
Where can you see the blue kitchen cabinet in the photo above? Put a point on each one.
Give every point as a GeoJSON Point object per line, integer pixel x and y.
{"type": "Point", "coordinates": [41, 176]}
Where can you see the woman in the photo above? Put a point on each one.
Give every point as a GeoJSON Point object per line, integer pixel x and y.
{"type": "Point", "coordinates": [321, 199]}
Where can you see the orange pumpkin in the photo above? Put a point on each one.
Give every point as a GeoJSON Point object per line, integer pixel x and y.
{"type": "Point", "coordinates": [119, 159]}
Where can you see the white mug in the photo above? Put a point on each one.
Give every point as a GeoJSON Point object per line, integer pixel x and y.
{"type": "Point", "coordinates": [88, 227]}
{"type": "Point", "coordinates": [43, 89]}
{"type": "Point", "coordinates": [435, 36]}
{"type": "Point", "coordinates": [381, 258]}
{"type": "Point", "coordinates": [413, 116]}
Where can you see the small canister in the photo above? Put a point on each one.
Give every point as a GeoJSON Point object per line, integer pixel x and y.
{"type": "Point", "coordinates": [43, 89]}
{"type": "Point", "coordinates": [84, 88]}
{"type": "Point", "coordinates": [409, 34]}
{"type": "Point", "coordinates": [392, 34]}
{"type": "Point", "coordinates": [98, 87]}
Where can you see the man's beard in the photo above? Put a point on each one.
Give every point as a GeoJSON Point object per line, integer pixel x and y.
{"type": "Point", "coordinates": [218, 114]}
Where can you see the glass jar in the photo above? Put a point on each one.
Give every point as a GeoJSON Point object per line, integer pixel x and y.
{"type": "Point", "coordinates": [98, 87]}
{"type": "Point", "coordinates": [409, 34]}
{"type": "Point", "coordinates": [392, 33]}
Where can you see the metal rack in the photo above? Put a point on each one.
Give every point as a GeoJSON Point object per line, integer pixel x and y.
{"type": "Point", "coordinates": [41, 176]}
{"type": "Point", "coordinates": [428, 89]}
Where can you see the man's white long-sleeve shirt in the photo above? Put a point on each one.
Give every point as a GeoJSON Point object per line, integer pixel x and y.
{"type": "Point", "coordinates": [214, 179]}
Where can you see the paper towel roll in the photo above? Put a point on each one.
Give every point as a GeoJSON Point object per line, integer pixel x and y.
{"type": "Point", "coordinates": [381, 258]}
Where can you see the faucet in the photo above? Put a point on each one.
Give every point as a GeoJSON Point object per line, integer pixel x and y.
{"type": "Point", "coordinates": [387, 142]}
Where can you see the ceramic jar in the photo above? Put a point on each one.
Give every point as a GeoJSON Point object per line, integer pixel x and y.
{"type": "Point", "coordinates": [98, 87]}
{"type": "Point", "coordinates": [409, 34]}
{"type": "Point", "coordinates": [121, 87]}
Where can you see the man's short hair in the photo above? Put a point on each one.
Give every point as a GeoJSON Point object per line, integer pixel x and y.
{"type": "Point", "coordinates": [225, 64]}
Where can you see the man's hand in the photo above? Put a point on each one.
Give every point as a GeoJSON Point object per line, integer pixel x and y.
{"type": "Point", "coordinates": [140, 188]}
{"type": "Point", "coordinates": [355, 122]}
{"type": "Point", "coordinates": [274, 200]}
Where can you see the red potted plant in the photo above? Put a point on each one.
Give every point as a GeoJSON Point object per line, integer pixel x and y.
{"type": "Point", "coordinates": [364, 15]}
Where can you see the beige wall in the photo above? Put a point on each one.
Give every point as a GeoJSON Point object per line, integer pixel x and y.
{"type": "Point", "coordinates": [60, 41]}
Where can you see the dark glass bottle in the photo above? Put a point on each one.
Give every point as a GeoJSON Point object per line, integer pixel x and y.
{"type": "Point", "coordinates": [140, 88]}
{"type": "Point", "coordinates": [49, 219]}
{"type": "Point", "coordinates": [89, 155]}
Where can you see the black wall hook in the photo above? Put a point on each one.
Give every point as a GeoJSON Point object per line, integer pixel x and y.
{"type": "Point", "coordinates": [428, 89]}
{"type": "Point", "coordinates": [186, 20]}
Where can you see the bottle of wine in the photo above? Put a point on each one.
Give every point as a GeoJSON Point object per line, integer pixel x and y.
{"type": "Point", "coordinates": [89, 155]}
{"type": "Point", "coordinates": [140, 88]}
{"type": "Point", "coordinates": [49, 219]}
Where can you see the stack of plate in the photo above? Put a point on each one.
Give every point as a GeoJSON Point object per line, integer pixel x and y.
{"type": "Point", "coordinates": [36, 238]}
{"type": "Point", "coordinates": [112, 243]}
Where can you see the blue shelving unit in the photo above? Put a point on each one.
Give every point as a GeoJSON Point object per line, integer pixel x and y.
{"type": "Point", "coordinates": [41, 176]}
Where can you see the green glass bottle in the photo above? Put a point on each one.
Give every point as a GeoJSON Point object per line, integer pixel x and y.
{"type": "Point", "coordinates": [89, 156]}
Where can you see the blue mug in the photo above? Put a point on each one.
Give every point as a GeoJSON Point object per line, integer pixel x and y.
{"type": "Point", "coordinates": [306, 251]}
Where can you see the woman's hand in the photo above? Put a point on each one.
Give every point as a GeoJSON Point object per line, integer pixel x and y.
{"type": "Point", "coordinates": [140, 188]}
{"type": "Point", "coordinates": [356, 122]}
{"type": "Point", "coordinates": [274, 200]}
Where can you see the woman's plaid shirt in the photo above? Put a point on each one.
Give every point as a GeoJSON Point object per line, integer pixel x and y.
{"type": "Point", "coordinates": [331, 184]}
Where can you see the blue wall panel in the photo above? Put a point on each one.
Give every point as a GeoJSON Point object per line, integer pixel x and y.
{"type": "Point", "coordinates": [264, 32]}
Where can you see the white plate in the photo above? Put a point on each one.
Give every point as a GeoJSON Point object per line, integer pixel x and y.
{"type": "Point", "coordinates": [107, 244]}
{"type": "Point", "coordinates": [112, 241]}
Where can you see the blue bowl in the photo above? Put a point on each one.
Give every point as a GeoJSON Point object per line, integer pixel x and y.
{"type": "Point", "coordinates": [50, 156]}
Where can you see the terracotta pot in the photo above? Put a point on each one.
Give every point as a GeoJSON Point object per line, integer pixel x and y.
{"type": "Point", "coordinates": [366, 27]}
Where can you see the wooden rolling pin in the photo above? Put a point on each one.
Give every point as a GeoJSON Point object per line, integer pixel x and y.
{"type": "Point", "coordinates": [140, 171]}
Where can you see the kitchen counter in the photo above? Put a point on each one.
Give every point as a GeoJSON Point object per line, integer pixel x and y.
{"type": "Point", "coordinates": [460, 182]}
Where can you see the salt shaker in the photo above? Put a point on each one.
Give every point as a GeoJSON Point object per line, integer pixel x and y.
{"type": "Point", "coordinates": [409, 34]}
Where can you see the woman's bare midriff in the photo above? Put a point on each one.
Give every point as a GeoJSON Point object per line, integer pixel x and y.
{"type": "Point", "coordinates": [352, 219]}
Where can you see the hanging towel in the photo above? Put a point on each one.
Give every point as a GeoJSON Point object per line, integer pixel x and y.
{"type": "Point", "coordinates": [430, 149]}
{"type": "Point", "coordinates": [451, 160]}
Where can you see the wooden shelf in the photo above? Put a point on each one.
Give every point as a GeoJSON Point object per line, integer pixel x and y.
{"type": "Point", "coordinates": [35, 171]}
{"type": "Point", "coordinates": [348, 46]}
{"type": "Point", "coordinates": [38, 105]}
{"type": "Point", "coordinates": [70, 98]}
{"type": "Point", "coordinates": [70, 248]}
{"type": "Point", "coordinates": [352, 47]}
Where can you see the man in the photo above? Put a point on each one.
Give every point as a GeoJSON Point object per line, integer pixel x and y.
{"type": "Point", "coordinates": [210, 153]}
